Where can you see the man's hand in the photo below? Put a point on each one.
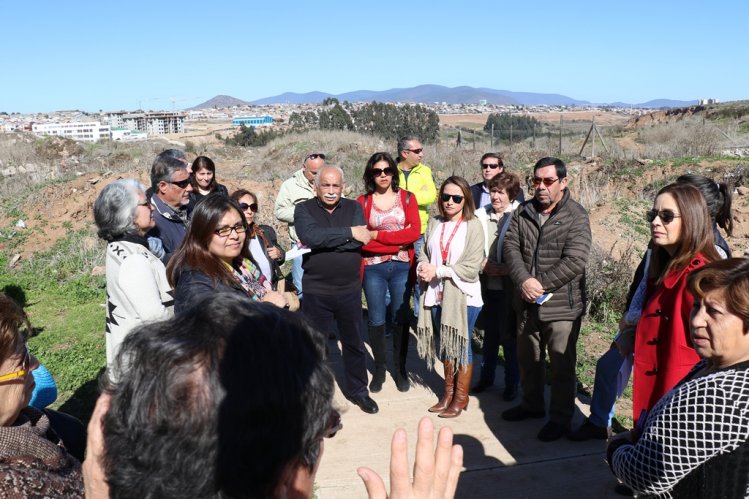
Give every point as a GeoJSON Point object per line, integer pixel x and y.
{"type": "Point", "coordinates": [361, 234]}
{"type": "Point", "coordinates": [93, 475]}
{"type": "Point", "coordinates": [531, 289]}
{"type": "Point", "coordinates": [436, 473]}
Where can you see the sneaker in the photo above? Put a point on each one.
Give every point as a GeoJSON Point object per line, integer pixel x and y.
{"type": "Point", "coordinates": [510, 393]}
{"type": "Point", "coordinates": [588, 431]}
{"type": "Point", "coordinates": [366, 404]}
{"type": "Point", "coordinates": [551, 431]}
{"type": "Point", "coordinates": [517, 413]}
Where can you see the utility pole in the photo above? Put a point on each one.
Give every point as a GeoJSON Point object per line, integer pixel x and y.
{"type": "Point", "coordinates": [560, 134]}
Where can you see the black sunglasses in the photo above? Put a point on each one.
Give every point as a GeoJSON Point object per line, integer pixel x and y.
{"type": "Point", "coordinates": [376, 172]}
{"type": "Point", "coordinates": [456, 198]}
{"type": "Point", "coordinates": [493, 166]}
{"type": "Point", "coordinates": [416, 151]}
{"type": "Point", "coordinates": [252, 206]}
{"type": "Point", "coordinates": [315, 156]}
{"type": "Point", "coordinates": [182, 184]}
{"type": "Point", "coordinates": [666, 216]}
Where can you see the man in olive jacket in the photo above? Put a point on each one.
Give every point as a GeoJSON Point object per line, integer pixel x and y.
{"type": "Point", "coordinates": [546, 250]}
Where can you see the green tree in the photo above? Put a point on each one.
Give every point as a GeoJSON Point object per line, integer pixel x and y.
{"type": "Point", "coordinates": [521, 126]}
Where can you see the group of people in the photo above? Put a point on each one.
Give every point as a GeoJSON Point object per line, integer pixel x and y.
{"type": "Point", "coordinates": [197, 305]}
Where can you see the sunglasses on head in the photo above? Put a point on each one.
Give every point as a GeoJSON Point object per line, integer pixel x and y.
{"type": "Point", "coordinates": [493, 166]}
{"type": "Point", "coordinates": [245, 206]}
{"type": "Point", "coordinates": [666, 216]}
{"type": "Point", "coordinates": [182, 184]}
{"type": "Point", "coordinates": [457, 198]}
{"type": "Point", "coordinates": [547, 181]}
{"type": "Point", "coordinates": [376, 172]}
{"type": "Point", "coordinates": [315, 156]}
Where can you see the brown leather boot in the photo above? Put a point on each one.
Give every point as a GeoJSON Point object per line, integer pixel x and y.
{"type": "Point", "coordinates": [447, 397]}
{"type": "Point", "coordinates": [460, 400]}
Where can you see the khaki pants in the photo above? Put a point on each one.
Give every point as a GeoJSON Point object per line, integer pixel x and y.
{"type": "Point", "coordinates": [535, 337]}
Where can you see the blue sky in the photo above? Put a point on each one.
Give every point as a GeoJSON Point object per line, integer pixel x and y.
{"type": "Point", "coordinates": [118, 55]}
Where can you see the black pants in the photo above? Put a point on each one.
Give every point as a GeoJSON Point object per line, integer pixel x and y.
{"type": "Point", "coordinates": [346, 312]}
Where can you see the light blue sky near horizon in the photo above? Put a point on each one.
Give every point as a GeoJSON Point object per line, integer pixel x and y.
{"type": "Point", "coordinates": [120, 55]}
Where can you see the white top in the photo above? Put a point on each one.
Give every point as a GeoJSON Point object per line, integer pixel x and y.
{"type": "Point", "coordinates": [472, 290]}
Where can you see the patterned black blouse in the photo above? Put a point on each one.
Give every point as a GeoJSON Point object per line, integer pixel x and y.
{"type": "Point", "coordinates": [695, 441]}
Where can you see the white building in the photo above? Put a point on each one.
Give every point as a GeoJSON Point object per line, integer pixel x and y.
{"type": "Point", "coordinates": [153, 123]}
{"type": "Point", "coordinates": [125, 135]}
{"type": "Point", "coordinates": [92, 131]}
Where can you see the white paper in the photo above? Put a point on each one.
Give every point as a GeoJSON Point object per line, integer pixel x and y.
{"type": "Point", "coordinates": [296, 251]}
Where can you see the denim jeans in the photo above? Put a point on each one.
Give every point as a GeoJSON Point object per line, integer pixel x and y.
{"type": "Point", "coordinates": [417, 292]}
{"type": "Point", "coordinates": [380, 278]}
{"type": "Point", "coordinates": [496, 315]}
{"type": "Point", "coordinates": [296, 274]}
{"type": "Point", "coordinates": [604, 389]}
{"type": "Point", "coordinates": [473, 313]}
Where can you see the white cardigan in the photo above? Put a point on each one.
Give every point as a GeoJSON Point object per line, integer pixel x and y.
{"type": "Point", "coordinates": [137, 291]}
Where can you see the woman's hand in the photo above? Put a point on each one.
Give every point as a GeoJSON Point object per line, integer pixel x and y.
{"type": "Point", "coordinates": [427, 272]}
{"type": "Point", "coordinates": [373, 234]}
{"type": "Point", "coordinates": [275, 298]}
{"type": "Point", "coordinates": [274, 253]}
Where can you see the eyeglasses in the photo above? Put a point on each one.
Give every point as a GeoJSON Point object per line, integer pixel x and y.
{"type": "Point", "coordinates": [238, 227]}
{"type": "Point", "coordinates": [245, 206]}
{"type": "Point", "coordinates": [547, 181]}
{"type": "Point", "coordinates": [146, 203]}
{"type": "Point", "coordinates": [182, 184]}
{"type": "Point", "coordinates": [416, 151]}
{"type": "Point", "coordinates": [21, 372]}
{"type": "Point", "coordinates": [493, 166]}
{"type": "Point", "coordinates": [666, 216]}
{"type": "Point", "coordinates": [334, 424]}
{"type": "Point", "coordinates": [315, 156]}
{"type": "Point", "coordinates": [376, 172]}
{"type": "Point", "coordinates": [455, 197]}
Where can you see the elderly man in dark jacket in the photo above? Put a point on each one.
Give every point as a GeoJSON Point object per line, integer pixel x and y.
{"type": "Point", "coordinates": [546, 249]}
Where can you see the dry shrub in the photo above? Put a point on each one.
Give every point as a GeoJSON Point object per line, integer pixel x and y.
{"type": "Point", "coordinates": [688, 137]}
{"type": "Point", "coordinates": [608, 279]}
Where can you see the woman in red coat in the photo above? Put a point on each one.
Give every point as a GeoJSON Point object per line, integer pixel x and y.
{"type": "Point", "coordinates": [392, 216]}
{"type": "Point", "coordinates": [682, 237]}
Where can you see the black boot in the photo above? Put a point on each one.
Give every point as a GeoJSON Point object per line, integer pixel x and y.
{"type": "Point", "coordinates": [400, 352]}
{"type": "Point", "coordinates": [377, 342]}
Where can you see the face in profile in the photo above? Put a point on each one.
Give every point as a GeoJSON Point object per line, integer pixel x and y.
{"type": "Point", "coordinates": [16, 387]}
{"type": "Point", "coordinates": [666, 225]}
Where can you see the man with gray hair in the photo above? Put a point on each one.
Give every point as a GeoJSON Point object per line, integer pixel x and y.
{"type": "Point", "coordinates": [299, 188]}
{"type": "Point", "coordinates": [170, 184]}
{"type": "Point", "coordinates": [335, 230]}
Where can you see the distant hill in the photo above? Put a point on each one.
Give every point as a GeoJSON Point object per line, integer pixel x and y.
{"type": "Point", "coordinates": [428, 94]}
{"type": "Point", "coordinates": [435, 93]}
{"type": "Point", "coordinates": [220, 101]}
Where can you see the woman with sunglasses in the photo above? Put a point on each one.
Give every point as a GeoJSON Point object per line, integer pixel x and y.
{"type": "Point", "coordinates": [137, 288]}
{"type": "Point", "coordinates": [682, 239]}
{"type": "Point", "coordinates": [214, 257]}
{"type": "Point", "coordinates": [393, 221]}
{"type": "Point", "coordinates": [203, 179]}
{"type": "Point", "coordinates": [261, 239]}
{"type": "Point", "coordinates": [35, 460]}
{"type": "Point", "coordinates": [448, 270]}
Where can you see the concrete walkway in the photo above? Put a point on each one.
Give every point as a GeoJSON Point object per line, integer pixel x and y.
{"type": "Point", "coordinates": [501, 459]}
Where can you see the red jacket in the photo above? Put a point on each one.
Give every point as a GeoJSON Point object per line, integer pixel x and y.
{"type": "Point", "coordinates": [390, 242]}
{"type": "Point", "coordinates": [663, 348]}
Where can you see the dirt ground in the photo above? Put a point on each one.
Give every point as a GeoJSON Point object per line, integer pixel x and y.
{"type": "Point", "coordinates": [602, 118]}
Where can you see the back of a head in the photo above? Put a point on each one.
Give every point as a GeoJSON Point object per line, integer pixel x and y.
{"type": "Point", "coordinates": [717, 196]}
{"type": "Point", "coordinates": [209, 401]}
